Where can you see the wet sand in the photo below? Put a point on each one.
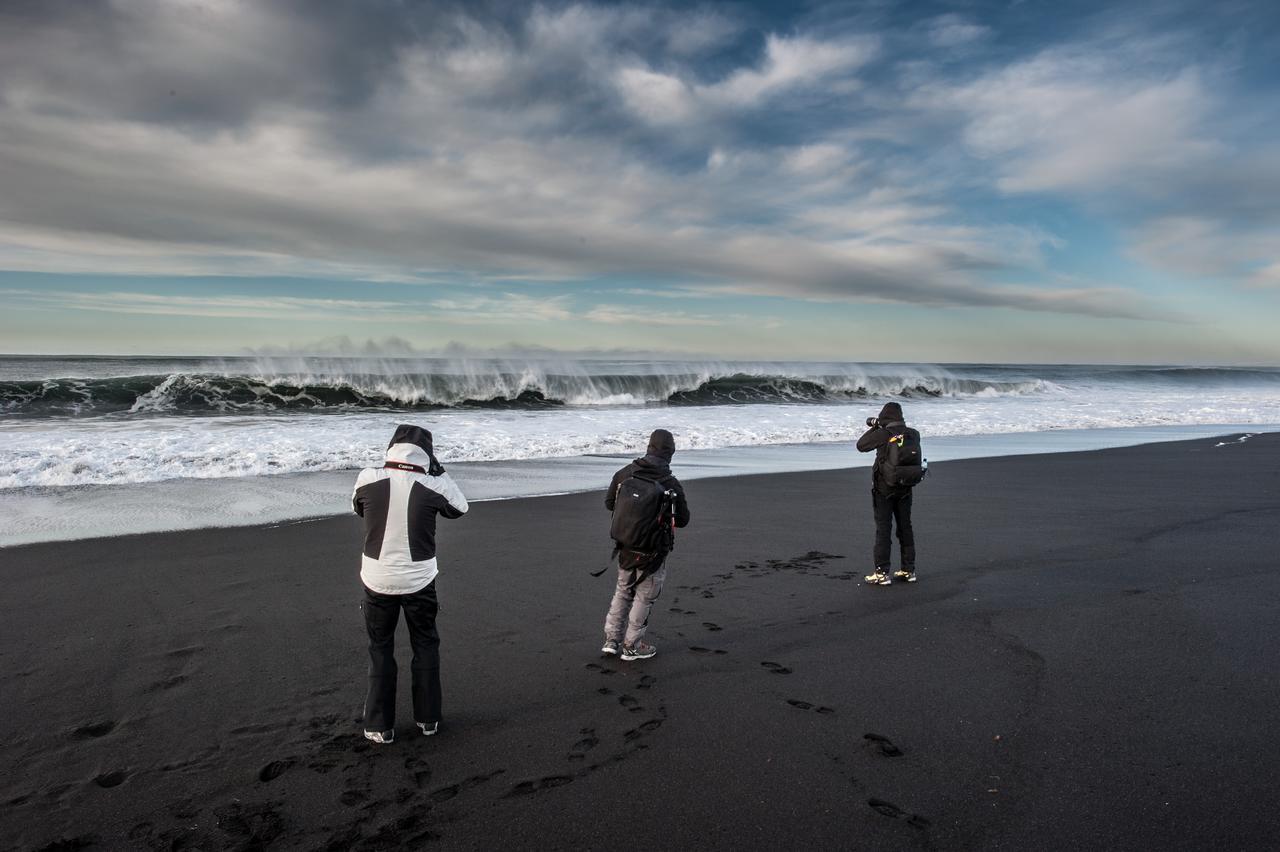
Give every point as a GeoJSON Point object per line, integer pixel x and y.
{"type": "Point", "coordinates": [1087, 662]}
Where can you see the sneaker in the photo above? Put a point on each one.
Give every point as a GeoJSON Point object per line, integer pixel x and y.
{"type": "Point", "coordinates": [879, 578]}
{"type": "Point", "coordinates": [905, 576]}
{"type": "Point", "coordinates": [611, 646]}
{"type": "Point", "coordinates": [638, 651]}
{"type": "Point", "coordinates": [428, 728]}
{"type": "Point", "coordinates": [380, 737]}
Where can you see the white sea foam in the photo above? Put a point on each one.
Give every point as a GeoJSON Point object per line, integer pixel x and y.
{"type": "Point", "coordinates": [148, 448]}
{"type": "Point", "coordinates": [142, 420]}
{"type": "Point", "coordinates": [45, 514]}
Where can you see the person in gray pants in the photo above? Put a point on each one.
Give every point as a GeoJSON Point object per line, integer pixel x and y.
{"type": "Point", "coordinates": [642, 543]}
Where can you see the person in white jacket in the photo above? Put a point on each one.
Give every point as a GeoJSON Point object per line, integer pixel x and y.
{"type": "Point", "coordinates": [399, 503]}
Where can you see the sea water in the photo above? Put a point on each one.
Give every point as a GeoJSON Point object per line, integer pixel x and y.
{"type": "Point", "coordinates": [79, 435]}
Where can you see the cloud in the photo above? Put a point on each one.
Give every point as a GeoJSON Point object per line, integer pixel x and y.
{"type": "Point", "coordinates": [506, 308]}
{"type": "Point", "coordinates": [221, 307]}
{"type": "Point", "coordinates": [1142, 137]}
{"type": "Point", "coordinates": [1204, 247]}
{"type": "Point", "coordinates": [448, 144]}
{"type": "Point", "coordinates": [788, 64]}
{"type": "Point", "coordinates": [1266, 276]}
{"type": "Point", "coordinates": [952, 31]}
{"type": "Point", "coordinates": [499, 309]}
{"type": "Point", "coordinates": [623, 315]}
{"type": "Point", "coordinates": [1075, 122]}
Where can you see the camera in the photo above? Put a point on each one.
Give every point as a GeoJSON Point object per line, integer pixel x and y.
{"type": "Point", "coordinates": [873, 422]}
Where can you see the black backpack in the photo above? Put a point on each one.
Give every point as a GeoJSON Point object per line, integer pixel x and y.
{"type": "Point", "coordinates": [903, 465]}
{"type": "Point", "coordinates": [642, 516]}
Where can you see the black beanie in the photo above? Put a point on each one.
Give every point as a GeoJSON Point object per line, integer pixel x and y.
{"type": "Point", "coordinates": [891, 413]}
{"type": "Point", "coordinates": [662, 444]}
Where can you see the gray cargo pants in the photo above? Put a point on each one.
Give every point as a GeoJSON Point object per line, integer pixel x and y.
{"type": "Point", "coordinates": [633, 597]}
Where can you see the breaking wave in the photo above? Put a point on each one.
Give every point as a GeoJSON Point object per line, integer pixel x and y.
{"type": "Point", "coordinates": [209, 393]}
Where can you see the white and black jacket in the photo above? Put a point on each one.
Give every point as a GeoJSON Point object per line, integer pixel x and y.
{"type": "Point", "coordinates": [399, 503]}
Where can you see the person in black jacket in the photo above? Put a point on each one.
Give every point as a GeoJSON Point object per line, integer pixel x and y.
{"type": "Point", "coordinates": [890, 504]}
{"type": "Point", "coordinates": [641, 573]}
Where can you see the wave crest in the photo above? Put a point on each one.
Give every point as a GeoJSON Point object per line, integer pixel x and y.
{"type": "Point", "coordinates": [201, 393]}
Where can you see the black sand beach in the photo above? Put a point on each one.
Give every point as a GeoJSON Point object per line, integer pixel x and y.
{"type": "Point", "coordinates": [1088, 662]}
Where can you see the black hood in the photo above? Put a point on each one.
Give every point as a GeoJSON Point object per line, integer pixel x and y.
{"type": "Point", "coordinates": [407, 437]}
{"type": "Point", "coordinates": [662, 444]}
{"type": "Point", "coordinates": [891, 413]}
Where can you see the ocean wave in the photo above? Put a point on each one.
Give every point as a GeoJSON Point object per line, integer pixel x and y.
{"type": "Point", "coordinates": [1205, 376]}
{"type": "Point", "coordinates": [184, 393]}
{"type": "Point", "coordinates": [91, 451]}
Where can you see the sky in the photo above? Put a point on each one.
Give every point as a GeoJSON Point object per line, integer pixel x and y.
{"type": "Point", "coordinates": [892, 181]}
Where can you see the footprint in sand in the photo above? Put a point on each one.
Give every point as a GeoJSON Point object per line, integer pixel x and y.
{"type": "Point", "coordinates": [712, 627]}
{"type": "Point", "coordinates": [262, 728]}
{"type": "Point", "coordinates": [596, 667]}
{"type": "Point", "coordinates": [166, 684]}
{"type": "Point", "coordinates": [883, 744]}
{"type": "Point", "coordinates": [698, 649]}
{"type": "Point", "coordinates": [107, 780]}
{"type": "Point", "coordinates": [584, 745]}
{"type": "Point", "coordinates": [805, 705]}
{"type": "Point", "coordinates": [776, 668]}
{"type": "Point", "coordinates": [419, 769]}
{"type": "Point", "coordinates": [646, 682]}
{"type": "Point", "coordinates": [274, 770]}
{"type": "Point", "coordinates": [630, 702]}
{"type": "Point", "coordinates": [644, 728]}
{"type": "Point", "coordinates": [444, 794]}
{"type": "Point", "coordinates": [256, 824]}
{"type": "Point", "coordinates": [525, 788]}
{"type": "Point", "coordinates": [889, 809]}
{"type": "Point", "coordinates": [94, 730]}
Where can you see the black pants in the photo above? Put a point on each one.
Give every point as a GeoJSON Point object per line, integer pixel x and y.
{"type": "Point", "coordinates": [381, 612]}
{"type": "Point", "coordinates": [891, 508]}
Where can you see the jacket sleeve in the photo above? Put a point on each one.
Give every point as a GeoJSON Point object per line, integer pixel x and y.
{"type": "Point", "coordinates": [357, 502]}
{"type": "Point", "coordinates": [682, 505]}
{"type": "Point", "coordinates": [455, 504]}
{"type": "Point", "coordinates": [873, 439]}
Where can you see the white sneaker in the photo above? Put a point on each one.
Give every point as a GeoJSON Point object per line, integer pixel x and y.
{"type": "Point", "coordinates": [905, 576]}
{"type": "Point", "coordinates": [611, 646]}
{"type": "Point", "coordinates": [428, 728]}
{"type": "Point", "coordinates": [380, 737]}
{"type": "Point", "coordinates": [879, 578]}
{"type": "Point", "coordinates": [638, 651]}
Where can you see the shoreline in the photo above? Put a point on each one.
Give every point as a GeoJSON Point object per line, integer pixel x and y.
{"type": "Point", "coordinates": [75, 513]}
{"type": "Point", "coordinates": [1067, 674]}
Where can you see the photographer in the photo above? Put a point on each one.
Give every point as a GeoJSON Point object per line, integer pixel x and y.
{"type": "Point", "coordinates": [892, 477]}
{"type": "Point", "coordinates": [647, 503]}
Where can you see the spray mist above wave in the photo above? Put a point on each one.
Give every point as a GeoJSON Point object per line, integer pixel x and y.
{"type": "Point", "coordinates": [344, 385]}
